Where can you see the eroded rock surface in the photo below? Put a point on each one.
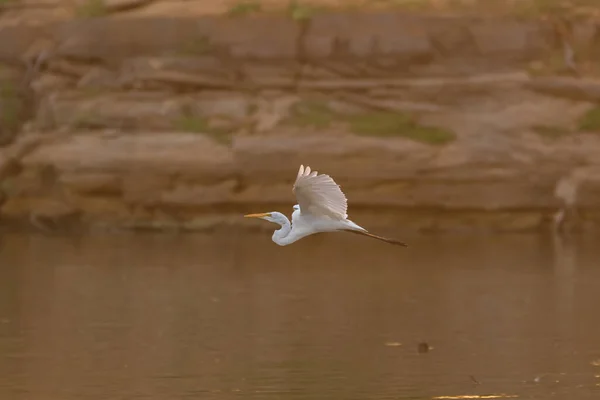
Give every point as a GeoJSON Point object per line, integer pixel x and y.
{"type": "Point", "coordinates": [429, 121]}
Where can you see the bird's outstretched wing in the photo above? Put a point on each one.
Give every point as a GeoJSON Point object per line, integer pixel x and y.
{"type": "Point", "coordinates": [319, 195]}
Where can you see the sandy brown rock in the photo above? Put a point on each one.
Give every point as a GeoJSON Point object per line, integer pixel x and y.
{"type": "Point", "coordinates": [165, 122]}
{"type": "Point", "coordinates": [87, 170]}
{"type": "Point", "coordinates": [137, 111]}
{"type": "Point", "coordinates": [124, 5]}
{"type": "Point", "coordinates": [398, 173]}
{"type": "Point", "coordinates": [572, 88]}
{"type": "Point", "coordinates": [106, 177]}
{"type": "Point", "coordinates": [510, 38]}
{"type": "Point", "coordinates": [161, 153]}
{"type": "Point", "coordinates": [16, 102]}
{"type": "Point", "coordinates": [382, 34]}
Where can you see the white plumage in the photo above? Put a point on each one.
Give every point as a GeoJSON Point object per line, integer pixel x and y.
{"type": "Point", "coordinates": [319, 195]}
{"type": "Point", "coordinates": [322, 207]}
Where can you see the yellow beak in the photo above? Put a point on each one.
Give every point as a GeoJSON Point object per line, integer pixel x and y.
{"type": "Point", "coordinates": [261, 215]}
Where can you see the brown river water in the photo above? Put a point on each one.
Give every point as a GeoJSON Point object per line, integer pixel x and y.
{"type": "Point", "coordinates": [335, 316]}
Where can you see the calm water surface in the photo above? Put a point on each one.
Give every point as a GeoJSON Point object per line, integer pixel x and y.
{"type": "Point", "coordinates": [331, 317]}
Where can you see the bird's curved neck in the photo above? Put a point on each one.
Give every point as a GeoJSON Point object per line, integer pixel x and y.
{"type": "Point", "coordinates": [282, 236]}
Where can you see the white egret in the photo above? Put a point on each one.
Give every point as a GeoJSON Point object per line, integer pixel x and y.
{"type": "Point", "coordinates": [322, 207]}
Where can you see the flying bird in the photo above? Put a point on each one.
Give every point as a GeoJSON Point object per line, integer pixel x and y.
{"type": "Point", "coordinates": [322, 207]}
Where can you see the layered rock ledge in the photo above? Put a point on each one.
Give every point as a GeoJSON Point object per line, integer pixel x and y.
{"type": "Point", "coordinates": [426, 121]}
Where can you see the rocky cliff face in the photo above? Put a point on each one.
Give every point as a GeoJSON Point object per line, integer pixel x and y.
{"type": "Point", "coordinates": [429, 121]}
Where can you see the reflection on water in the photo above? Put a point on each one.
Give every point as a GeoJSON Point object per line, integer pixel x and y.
{"type": "Point", "coordinates": [330, 317]}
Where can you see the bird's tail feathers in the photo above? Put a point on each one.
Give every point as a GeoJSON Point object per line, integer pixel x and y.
{"type": "Point", "coordinates": [383, 239]}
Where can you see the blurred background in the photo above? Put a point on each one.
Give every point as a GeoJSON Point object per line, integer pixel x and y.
{"type": "Point", "coordinates": [134, 134]}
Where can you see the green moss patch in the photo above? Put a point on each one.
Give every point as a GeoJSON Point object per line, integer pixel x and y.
{"type": "Point", "coordinates": [525, 9]}
{"type": "Point", "coordinates": [11, 106]}
{"type": "Point", "coordinates": [91, 9]}
{"type": "Point", "coordinates": [318, 115]}
{"type": "Point", "coordinates": [550, 132]}
{"type": "Point", "coordinates": [299, 11]}
{"type": "Point", "coordinates": [196, 124]}
{"type": "Point", "coordinates": [196, 47]}
{"type": "Point", "coordinates": [244, 8]}
{"type": "Point", "coordinates": [312, 114]}
{"type": "Point", "coordinates": [393, 124]}
{"type": "Point", "coordinates": [590, 121]}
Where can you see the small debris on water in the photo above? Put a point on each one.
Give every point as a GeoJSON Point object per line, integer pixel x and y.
{"type": "Point", "coordinates": [424, 347]}
{"type": "Point", "coordinates": [476, 396]}
{"type": "Point", "coordinates": [393, 344]}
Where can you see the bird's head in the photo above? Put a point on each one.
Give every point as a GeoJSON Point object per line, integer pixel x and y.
{"type": "Point", "coordinates": [275, 217]}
